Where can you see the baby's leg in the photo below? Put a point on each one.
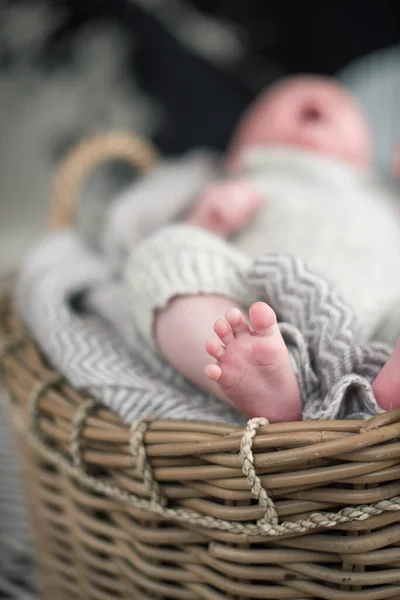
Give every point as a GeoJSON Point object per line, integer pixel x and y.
{"type": "Point", "coordinates": [253, 370]}
{"type": "Point", "coordinates": [181, 330]}
{"type": "Point", "coordinates": [386, 386]}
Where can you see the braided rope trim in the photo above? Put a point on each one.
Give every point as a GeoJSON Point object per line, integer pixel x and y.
{"type": "Point", "coordinates": [256, 488]}
{"type": "Point", "coordinates": [268, 526]}
{"type": "Point", "coordinates": [138, 450]}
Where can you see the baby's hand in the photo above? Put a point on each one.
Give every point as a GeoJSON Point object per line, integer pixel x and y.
{"type": "Point", "coordinates": [226, 207]}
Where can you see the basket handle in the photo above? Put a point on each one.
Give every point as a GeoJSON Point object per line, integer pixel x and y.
{"type": "Point", "coordinates": [84, 158]}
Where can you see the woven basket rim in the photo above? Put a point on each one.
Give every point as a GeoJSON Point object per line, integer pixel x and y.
{"type": "Point", "coordinates": [235, 448]}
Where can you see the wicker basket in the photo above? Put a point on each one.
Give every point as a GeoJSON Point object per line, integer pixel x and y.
{"type": "Point", "coordinates": [187, 510]}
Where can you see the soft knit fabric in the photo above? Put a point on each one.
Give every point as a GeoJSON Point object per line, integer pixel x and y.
{"type": "Point", "coordinates": [340, 221]}
{"type": "Point", "coordinates": [182, 260]}
{"type": "Point", "coordinates": [80, 316]}
{"type": "Point", "coordinates": [160, 198]}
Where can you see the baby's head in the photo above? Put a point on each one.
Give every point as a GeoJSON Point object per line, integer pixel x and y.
{"type": "Point", "coordinates": [305, 111]}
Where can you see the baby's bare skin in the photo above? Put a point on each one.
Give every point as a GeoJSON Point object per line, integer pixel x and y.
{"type": "Point", "coordinates": [251, 367]}
{"type": "Point", "coordinates": [226, 207]}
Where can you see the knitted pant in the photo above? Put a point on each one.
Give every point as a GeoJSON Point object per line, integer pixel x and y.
{"type": "Point", "coordinates": [334, 371]}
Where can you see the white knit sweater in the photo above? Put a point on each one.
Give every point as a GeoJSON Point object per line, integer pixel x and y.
{"type": "Point", "coordinates": [340, 221]}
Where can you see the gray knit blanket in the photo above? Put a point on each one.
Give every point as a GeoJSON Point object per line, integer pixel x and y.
{"type": "Point", "coordinates": [77, 309]}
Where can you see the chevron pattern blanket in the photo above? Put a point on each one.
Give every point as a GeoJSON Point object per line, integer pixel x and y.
{"type": "Point", "coordinates": [77, 310]}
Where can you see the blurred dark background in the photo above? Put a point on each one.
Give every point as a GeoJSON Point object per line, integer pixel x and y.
{"type": "Point", "coordinates": [177, 71]}
{"type": "Point", "coordinates": [202, 61]}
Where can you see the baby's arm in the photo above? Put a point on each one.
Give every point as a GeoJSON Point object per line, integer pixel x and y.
{"type": "Point", "coordinates": [226, 207]}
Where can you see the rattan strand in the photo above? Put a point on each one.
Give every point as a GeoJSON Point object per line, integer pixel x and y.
{"type": "Point", "coordinates": [268, 525]}
{"type": "Point", "coordinates": [83, 421]}
{"type": "Point", "coordinates": [82, 160]}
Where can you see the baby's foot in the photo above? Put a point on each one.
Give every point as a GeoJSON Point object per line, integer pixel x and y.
{"type": "Point", "coordinates": [386, 386]}
{"type": "Point", "coordinates": [253, 367]}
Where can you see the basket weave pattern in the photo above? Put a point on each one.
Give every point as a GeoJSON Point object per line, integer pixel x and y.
{"type": "Point", "coordinates": [195, 511]}
{"type": "Point", "coordinates": [100, 544]}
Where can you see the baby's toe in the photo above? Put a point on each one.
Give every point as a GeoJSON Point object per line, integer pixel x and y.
{"type": "Point", "coordinates": [236, 321]}
{"type": "Point", "coordinates": [215, 349]}
{"type": "Point", "coordinates": [262, 318]}
{"type": "Point", "coordinates": [223, 331]}
{"type": "Point", "coordinates": [213, 372]}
